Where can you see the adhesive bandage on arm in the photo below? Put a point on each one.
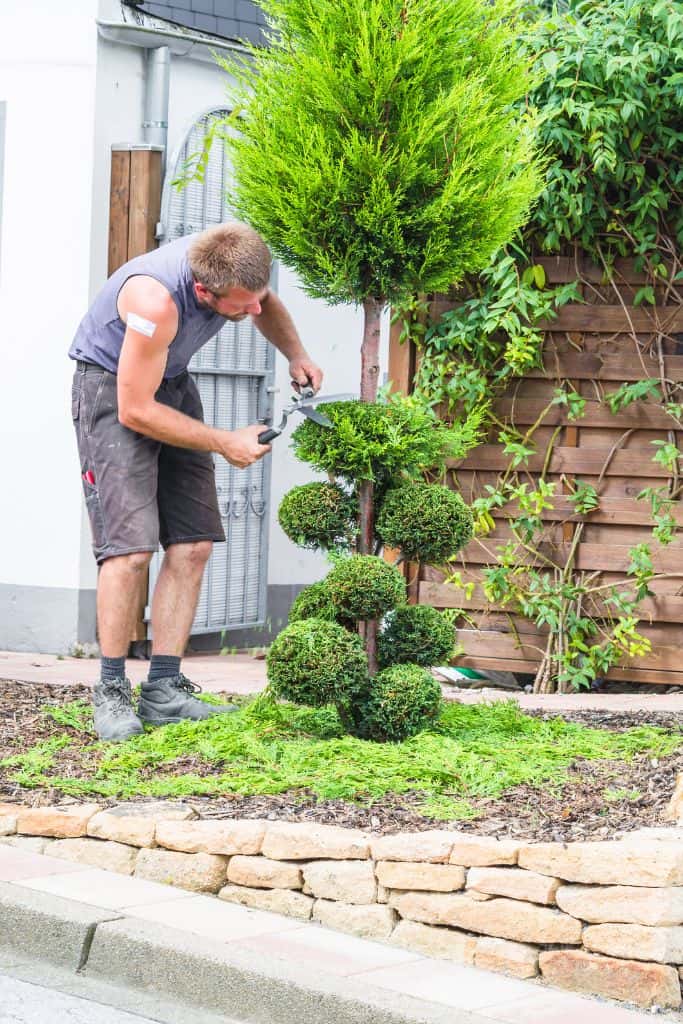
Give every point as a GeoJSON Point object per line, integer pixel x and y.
{"type": "Point", "coordinates": [139, 323]}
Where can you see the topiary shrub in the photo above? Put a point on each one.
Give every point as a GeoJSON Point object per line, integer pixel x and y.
{"type": "Point", "coordinates": [313, 602]}
{"type": "Point", "coordinates": [428, 522]}
{"type": "Point", "coordinates": [404, 699]}
{"type": "Point", "coordinates": [415, 633]}
{"type": "Point", "coordinates": [365, 587]}
{"type": "Point", "coordinates": [317, 663]}
{"type": "Point", "coordinates": [318, 515]}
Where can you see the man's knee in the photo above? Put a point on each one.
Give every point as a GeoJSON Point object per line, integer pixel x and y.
{"type": "Point", "coordinates": [195, 553]}
{"type": "Point", "coordinates": [136, 562]}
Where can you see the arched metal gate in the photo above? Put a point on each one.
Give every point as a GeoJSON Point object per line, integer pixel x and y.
{"type": "Point", "coordinates": [234, 373]}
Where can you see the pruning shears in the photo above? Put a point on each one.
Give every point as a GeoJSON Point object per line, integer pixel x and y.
{"type": "Point", "coordinates": [306, 403]}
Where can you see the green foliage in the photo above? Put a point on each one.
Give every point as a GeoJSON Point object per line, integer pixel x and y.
{"type": "Point", "coordinates": [317, 662]}
{"type": "Point", "coordinates": [381, 441]}
{"type": "Point", "coordinates": [313, 602]}
{"type": "Point", "coordinates": [628, 393]}
{"type": "Point", "coordinates": [584, 498]}
{"type": "Point", "coordinates": [318, 515]}
{"type": "Point", "coordinates": [384, 147]}
{"type": "Point", "coordinates": [415, 633]}
{"type": "Point", "coordinates": [365, 587]}
{"type": "Point", "coordinates": [403, 700]}
{"type": "Point", "coordinates": [428, 522]}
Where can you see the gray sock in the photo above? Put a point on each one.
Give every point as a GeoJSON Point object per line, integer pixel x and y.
{"type": "Point", "coordinates": [113, 668]}
{"type": "Point", "coordinates": [163, 666]}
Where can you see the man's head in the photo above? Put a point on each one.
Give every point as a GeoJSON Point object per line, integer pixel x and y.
{"type": "Point", "coordinates": [231, 265]}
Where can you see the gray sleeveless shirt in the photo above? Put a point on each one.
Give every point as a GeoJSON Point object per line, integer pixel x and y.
{"type": "Point", "coordinates": [100, 334]}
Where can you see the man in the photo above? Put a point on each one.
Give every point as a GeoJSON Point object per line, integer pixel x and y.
{"type": "Point", "coordinates": [145, 452]}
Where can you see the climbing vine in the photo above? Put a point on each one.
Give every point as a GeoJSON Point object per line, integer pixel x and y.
{"type": "Point", "coordinates": [608, 93]}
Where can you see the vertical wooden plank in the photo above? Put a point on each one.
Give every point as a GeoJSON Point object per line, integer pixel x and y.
{"type": "Point", "coordinates": [401, 361]}
{"type": "Point", "coordinates": [119, 201]}
{"type": "Point", "coordinates": [145, 200]}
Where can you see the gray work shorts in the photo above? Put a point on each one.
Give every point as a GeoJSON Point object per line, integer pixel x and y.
{"type": "Point", "coordinates": [139, 492]}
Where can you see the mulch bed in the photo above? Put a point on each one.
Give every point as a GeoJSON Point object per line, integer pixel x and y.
{"type": "Point", "coordinates": [579, 811]}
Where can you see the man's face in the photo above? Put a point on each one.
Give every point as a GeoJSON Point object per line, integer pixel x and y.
{"type": "Point", "coordinates": [235, 304]}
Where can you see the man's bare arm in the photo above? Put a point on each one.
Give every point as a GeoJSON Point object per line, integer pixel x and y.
{"type": "Point", "coordinates": [152, 322]}
{"type": "Point", "coordinates": [275, 324]}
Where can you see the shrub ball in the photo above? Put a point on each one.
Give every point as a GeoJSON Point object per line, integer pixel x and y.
{"type": "Point", "coordinates": [403, 700]}
{"type": "Point", "coordinates": [313, 602]}
{"type": "Point", "coordinates": [318, 515]}
{"type": "Point", "coordinates": [415, 633]}
{"type": "Point", "coordinates": [365, 587]}
{"type": "Point", "coordinates": [428, 522]}
{"type": "Point", "coordinates": [317, 663]}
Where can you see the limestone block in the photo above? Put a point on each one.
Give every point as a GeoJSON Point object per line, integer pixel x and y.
{"type": "Point", "coordinates": [130, 829]}
{"type": "Point", "coordinates": [223, 836]}
{"type": "Point", "coordinates": [640, 983]}
{"type": "Point", "coordinates": [34, 844]}
{"type": "Point", "coordinates": [431, 847]}
{"type": "Point", "coordinates": [263, 873]}
{"type": "Point", "coordinates": [369, 922]}
{"type": "Point", "coordinates": [199, 872]}
{"type": "Point", "coordinates": [430, 877]}
{"type": "Point", "coordinates": [619, 862]}
{"type": "Point", "coordinates": [483, 851]}
{"type": "Point", "coordinates": [8, 824]}
{"type": "Point", "coordinates": [517, 883]}
{"type": "Point", "coordinates": [674, 809]}
{"type": "Point", "coordinates": [68, 822]}
{"type": "Point", "coordinates": [636, 942]}
{"type": "Point", "coordinates": [628, 904]}
{"type": "Point", "coordinates": [382, 894]}
{"type": "Point", "coordinates": [100, 853]}
{"type": "Point", "coordinates": [500, 917]}
{"type": "Point", "coordinates": [287, 840]}
{"type": "Point", "coordinates": [278, 901]}
{"type": "Point", "coordinates": [346, 881]}
{"type": "Point", "coordinates": [518, 959]}
{"type": "Point", "coordinates": [443, 943]}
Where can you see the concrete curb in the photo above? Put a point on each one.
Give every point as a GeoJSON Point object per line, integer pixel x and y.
{"type": "Point", "coordinates": [206, 975]}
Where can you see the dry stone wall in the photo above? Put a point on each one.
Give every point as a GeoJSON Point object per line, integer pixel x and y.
{"type": "Point", "coordinates": [603, 918]}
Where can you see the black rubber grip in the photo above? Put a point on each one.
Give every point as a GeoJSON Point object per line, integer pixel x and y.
{"type": "Point", "coordinates": [267, 436]}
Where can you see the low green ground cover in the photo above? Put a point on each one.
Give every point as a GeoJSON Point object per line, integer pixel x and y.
{"type": "Point", "coordinates": [472, 751]}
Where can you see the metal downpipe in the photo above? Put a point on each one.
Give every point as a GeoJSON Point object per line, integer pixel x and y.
{"type": "Point", "coordinates": [155, 118]}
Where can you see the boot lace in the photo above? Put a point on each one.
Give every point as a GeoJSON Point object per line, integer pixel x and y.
{"type": "Point", "coordinates": [183, 683]}
{"type": "Point", "coordinates": [118, 696]}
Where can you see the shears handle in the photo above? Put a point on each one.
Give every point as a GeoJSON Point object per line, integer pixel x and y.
{"type": "Point", "coordinates": [268, 435]}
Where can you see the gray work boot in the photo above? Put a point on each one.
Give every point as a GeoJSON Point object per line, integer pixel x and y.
{"type": "Point", "coordinates": [171, 700]}
{"type": "Point", "coordinates": [114, 716]}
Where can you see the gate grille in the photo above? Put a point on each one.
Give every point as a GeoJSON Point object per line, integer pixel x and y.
{"type": "Point", "coordinates": [234, 373]}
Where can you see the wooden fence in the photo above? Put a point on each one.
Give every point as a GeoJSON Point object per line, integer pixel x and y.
{"type": "Point", "coordinates": [594, 346]}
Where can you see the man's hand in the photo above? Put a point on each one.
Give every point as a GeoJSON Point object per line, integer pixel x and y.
{"type": "Point", "coordinates": [305, 373]}
{"type": "Point", "coordinates": [241, 447]}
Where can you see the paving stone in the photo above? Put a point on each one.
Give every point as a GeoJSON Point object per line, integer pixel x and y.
{"type": "Point", "coordinates": [620, 862]}
{"type": "Point", "coordinates": [225, 836]}
{"type": "Point", "coordinates": [347, 881]}
{"type": "Point", "coordinates": [286, 840]}
{"type": "Point", "coordinates": [68, 822]}
{"type": "Point", "coordinates": [8, 824]}
{"type": "Point", "coordinates": [636, 942]}
{"type": "Point", "coordinates": [500, 917]}
{"type": "Point", "coordinates": [278, 901]}
{"type": "Point", "coordinates": [430, 877]}
{"type": "Point", "coordinates": [644, 984]}
{"type": "Point", "coordinates": [518, 959]}
{"type": "Point", "coordinates": [97, 852]}
{"type": "Point", "coordinates": [199, 872]}
{"type": "Point", "coordinates": [517, 883]}
{"type": "Point", "coordinates": [442, 943]}
{"type": "Point", "coordinates": [34, 844]}
{"type": "Point", "coordinates": [261, 872]}
{"type": "Point", "coordinates": [483, 851]}
{"type": "Point", "coordinates": [131, 829]}
{"type": "Point", "coordinates": [674, 809]}
{"type": "Point", "coordinates": [433, 846]}
{"type": "Point", "coordinates": [369, 922]}
{"type": "Point", "coordinates": [628, 904]}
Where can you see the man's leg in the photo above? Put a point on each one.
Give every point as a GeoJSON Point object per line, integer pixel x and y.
{"type": "Point", "coordinates": [167, 696]}
{"type": "Point", "coordinates": [118, 586]}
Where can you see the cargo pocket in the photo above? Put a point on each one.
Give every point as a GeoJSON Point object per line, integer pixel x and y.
{"type": "Point", "coordinates": [75, 400]}
{"type": "Point", "coordinates": [94, 509]}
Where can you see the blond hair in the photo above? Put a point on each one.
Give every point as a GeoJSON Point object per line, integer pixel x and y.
{"type": "Point", "coordinates": [228, 256]}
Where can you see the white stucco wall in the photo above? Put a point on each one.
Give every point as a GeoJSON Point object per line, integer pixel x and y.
{"type": "Point", "coordinates": [47, 79]}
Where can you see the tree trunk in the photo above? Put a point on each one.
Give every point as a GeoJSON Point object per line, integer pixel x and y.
{"type": "Point", "coordinates": [369, 379]}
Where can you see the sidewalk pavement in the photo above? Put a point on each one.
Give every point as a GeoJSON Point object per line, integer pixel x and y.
{"type": "Point", "coordinates": [243, 673]}
{"type": "Point", "coordinates": [252, 965]}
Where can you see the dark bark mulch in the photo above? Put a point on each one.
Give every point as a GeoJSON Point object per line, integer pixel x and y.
{"type": "Point", "coordinates": [577, 810]}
